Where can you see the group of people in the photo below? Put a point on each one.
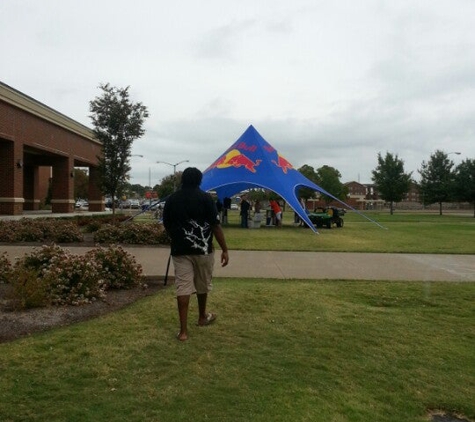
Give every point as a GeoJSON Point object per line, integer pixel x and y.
{"type": "Point", "coordinates": [246, 208]}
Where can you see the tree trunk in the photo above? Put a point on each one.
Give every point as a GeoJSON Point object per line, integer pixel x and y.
{"type": "Point", "coordinates": [113, 210]}
{"type": "Point", "coordinates": [391, 207]}
{"type": "Point", "coordinates": [440, 208]}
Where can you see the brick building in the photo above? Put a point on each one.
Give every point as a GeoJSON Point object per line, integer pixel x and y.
{"type": "Point", "coordinates": [39, 146]}
{"type": "Point", "coordinates": [363, 196]}
{"type": "Point", "coordinates": [366, 196]}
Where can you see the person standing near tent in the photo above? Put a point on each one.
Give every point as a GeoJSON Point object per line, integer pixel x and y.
{"type": "Point", "coordinates": [191, 219]}
{"type": "Point", "coordinates": [245, 207]}
{"type": "Point", "coordinates": [277, 211]}
{"type": "Point", "coordinates": [257, 206]}
{"type": "Point", "coordinates": [219, 207]}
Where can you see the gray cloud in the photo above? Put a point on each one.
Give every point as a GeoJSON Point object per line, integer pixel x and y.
{"type": "Point", "coordinates": [325, 82]}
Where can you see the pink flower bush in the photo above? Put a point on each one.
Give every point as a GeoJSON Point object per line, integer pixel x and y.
{"type": "Point", "coordinates": [58, 277]}
{"type": "Point", "coordinates": [117, 267]}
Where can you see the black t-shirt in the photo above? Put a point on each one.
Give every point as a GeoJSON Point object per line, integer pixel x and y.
{"type": "Point", "coordinates": [188, 217]}
{"type": "Point", "coordinates": [245, 206]}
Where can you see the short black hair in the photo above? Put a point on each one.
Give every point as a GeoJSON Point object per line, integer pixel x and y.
{"type": "Point", "coordinates": [191, 177]}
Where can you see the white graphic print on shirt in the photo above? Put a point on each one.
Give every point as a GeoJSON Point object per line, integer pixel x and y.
{"type": "Point", "coordinates": [198, 236]}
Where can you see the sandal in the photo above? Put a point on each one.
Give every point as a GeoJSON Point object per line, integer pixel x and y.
{"type": "Point", "coordinates": [210, 317]}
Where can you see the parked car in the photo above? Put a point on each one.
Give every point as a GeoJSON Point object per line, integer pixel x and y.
{"type": "Point", "coordinates": [81, 203]}
{"type": "Point", "coordinates": [134, 203]}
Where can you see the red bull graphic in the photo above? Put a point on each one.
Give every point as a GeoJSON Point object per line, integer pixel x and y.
{"type": "Point", "coordinates": [235, 158]}
{"type": "Point", "coordinates": [245, 147]}
{"type": "Point", "coordinates": [282, 163]}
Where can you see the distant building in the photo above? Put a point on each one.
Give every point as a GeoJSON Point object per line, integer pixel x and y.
{"type": "Point", "coordinates": [363, 196]}
{"type": "Point", "coordinates": [367, 197]}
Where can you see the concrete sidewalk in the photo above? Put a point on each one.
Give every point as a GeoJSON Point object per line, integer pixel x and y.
{"type": "Point", "coordinates": [306, 265]}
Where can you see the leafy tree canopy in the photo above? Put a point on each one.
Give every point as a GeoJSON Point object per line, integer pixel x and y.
{"type": "Point", "coordinates": [437, 179]}
{"type": "Point", "coordinates": [168, 184]}
{"type": "Point", "coordinates": [118, 122]}
{"type": "Point", "coordinates": [390, 179]}
{"type": "Point", "coordinates": [465, 182]}
{"type": "Point", "coordinates": [310, 173]}
{"type": "Point", "coordinates": [329, 178]}
{"type": "Point", "coordinates": [137, 189]}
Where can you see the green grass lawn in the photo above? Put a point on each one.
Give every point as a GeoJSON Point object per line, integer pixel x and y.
{"type": "Point", "coordinates": [402, 233]}
{"type": "Point", "coordinates": [279, 351]}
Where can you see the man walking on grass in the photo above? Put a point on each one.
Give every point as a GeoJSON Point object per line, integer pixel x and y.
{"type": "Point", "coordinates": [191, 220]}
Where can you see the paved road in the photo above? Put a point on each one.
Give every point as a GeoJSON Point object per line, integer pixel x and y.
{"type": "Point", "coordinates": [308, 265]}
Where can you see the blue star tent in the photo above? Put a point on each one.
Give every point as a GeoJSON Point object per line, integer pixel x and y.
{"type": "Point", "coordinates": [251, 162]}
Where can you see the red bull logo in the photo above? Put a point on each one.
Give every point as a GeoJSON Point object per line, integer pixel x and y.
{"type": "Point", "coordinates": [235, 158]}
{"type": "Point", "coordinates": [282, 163]}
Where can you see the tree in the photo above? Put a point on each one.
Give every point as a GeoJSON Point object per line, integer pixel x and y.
{"type": "Point", "coordinates": [168, 184]}
{"type": "Point", "coordinates": [390, 180]}
{"type": "Point", "coordinates": [138, 189]}
{"type": "Point", "coordinates": [310, 173]}
{"type": "Point", "coordinates": [118, 122]}
{"type": "Point", "coordinates": [330, 181]}
{"type": "Point", "coordinates": [465, 182]}
{"type": "Point", "coordinates": [437, 179]}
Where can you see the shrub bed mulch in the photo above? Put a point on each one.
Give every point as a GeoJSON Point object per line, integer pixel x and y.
{"type": "Point", "coordinates": [18, 324]}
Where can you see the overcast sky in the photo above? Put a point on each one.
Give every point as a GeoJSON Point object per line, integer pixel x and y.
{"type": "Point", "coordinates": [324, 82]}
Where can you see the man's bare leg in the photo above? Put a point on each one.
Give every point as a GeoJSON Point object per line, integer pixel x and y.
{"type": "Point", "coordinates": [202, 298]}
{"type": "Point", "coordinates": [204, 317]}
{"type": "Point", "coordinates": [183, 303]}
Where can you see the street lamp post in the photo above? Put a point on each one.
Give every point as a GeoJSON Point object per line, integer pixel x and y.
{"type": "Point", "coordinates": [174, 170]}
{"type": "Point", "coordinates": [137, 155]}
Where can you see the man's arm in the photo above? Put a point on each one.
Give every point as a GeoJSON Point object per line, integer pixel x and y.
{"type": "Point", "coordinates": [219, 235]}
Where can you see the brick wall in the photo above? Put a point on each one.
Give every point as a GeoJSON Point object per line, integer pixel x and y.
{"type": "Point", "coordinates": [33, 139]}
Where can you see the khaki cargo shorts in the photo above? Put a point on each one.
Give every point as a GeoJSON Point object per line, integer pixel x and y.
{"type": "Point", "coordinates": [193, 274]}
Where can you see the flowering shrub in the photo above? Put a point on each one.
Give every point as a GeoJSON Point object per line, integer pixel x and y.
{"type": "Point", "coordinates": [65, 278]}
{"type": "Point", "coordinates": [7, 231]}
{"type": "Point", "coordinates": [146, 234]}
{"type": "Point", "coordinates": [163, 238]}
{"type": "Point", "coordinates": [132, 233]}
{"type": "Point", "coordinates": [27, 230]}
{"type": "Point", "coordinates": [93, 226]}
{"type": "Point", "coordinates": [40, 230]}
{"type": "Point", "coordinates": [93, 222]}
{"type": "Point", "coordinates": [107, 234]}
{"type": "Point", "coordinates": [66, 232]}
{"type": "Point", "coordinates": [40, 258]}
{"type": "Point", "coordinates": [36, 228]}
{"type": "Point", "coordinates": [73, 280]}
{"type": "Point", "coordinates": [53, 275]}
{"type": "Point", "coordinates": [69, 231]}
{"type": "Point", "coordinates": [5, 268]}
{"type": "Point", "coordinates": [118, 269]}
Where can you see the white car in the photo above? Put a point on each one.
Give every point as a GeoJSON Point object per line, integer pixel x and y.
{"type": "Point", "coordinates": [81, 203]}
{"type": "Point", "coordinates": [134, 203]}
